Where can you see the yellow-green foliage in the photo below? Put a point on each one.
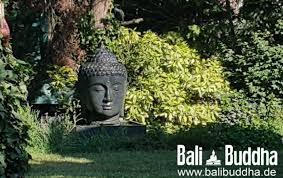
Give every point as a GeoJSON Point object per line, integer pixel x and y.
{"type": "Point", "coordinates": [168, 81]}
{"type": "Point", "coordinates": [62, 77]}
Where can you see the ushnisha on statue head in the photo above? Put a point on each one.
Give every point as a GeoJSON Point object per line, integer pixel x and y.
{"type": "Point", "coordinates": [102, 84]}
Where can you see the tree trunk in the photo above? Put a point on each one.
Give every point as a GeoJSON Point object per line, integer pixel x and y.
{"type": "Point", "coordinates": [100, 10]}
{"type": "Point", "coordinates": [63, 46]}
{"type": "Point", "coordinates": [4, 28]}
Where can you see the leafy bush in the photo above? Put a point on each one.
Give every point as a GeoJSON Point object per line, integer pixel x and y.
{"type": "Point", "coordinates": [59, 88]}
{"type": "Point", "coordinates": [62, 77]}
{"type": "Point", "coordinates": [242, 122]}
{"type": "Point", "coordinates": [168, 81]}
{"type": "Point", "coordinates": [217, 135]}
{"type": "Point", "coordinates": [156, 63]}
{"type": "Point", "coordinates": [256, 123]}
{"type": "Point", "coordinates": [90, 37]}
{"type": "Point", "coordinates": [62, 81]}
{"type": "Point", "coordinates": [38, 135]}
{"type": "Point", "coordinates": [57, 135]}
{"type": "Point", "coordinates": [13, 132]}
{"type": "Point", "coordinates": [254, 59]}
{"type": "Point", "coordinates": [62, 86]}
{"type": "Point", "coordinates": [256, 67]}
{"type": "Point", "coordinates": [249, 43]}
{"type": "Point", "coordinates": [59, 131]}
{"type": "Point", "coordinates": [48, 134]}
{"type": "Point", "coordinates": [236, 108]}
{"type": "Point", "coordinates": [251, 52]}
{"type": "Point", "coordinates": [263, 16]}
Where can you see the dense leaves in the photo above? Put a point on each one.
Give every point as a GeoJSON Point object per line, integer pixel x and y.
{"type": "Point", "coordinates": [256, 67]}
{"type": "Point", "coordinates": [254, 60]}
{"type": "Point", "coordinates": [168, 81]}
{"type": "Point", "coordinates": [13, 133]}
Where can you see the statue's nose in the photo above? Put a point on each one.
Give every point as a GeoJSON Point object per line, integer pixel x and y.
{"type": "Point", "coordinates": [108, 95]}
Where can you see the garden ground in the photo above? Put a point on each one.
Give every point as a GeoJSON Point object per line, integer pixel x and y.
{"type": "Point", "coordinates": [136, 164]}
{"type": "Point", "coordinates": [105, 164]}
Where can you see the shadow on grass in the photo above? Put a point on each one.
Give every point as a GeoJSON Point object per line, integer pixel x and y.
{"type": "Point", "coordinates": [210, 136]}
{"type": "Point", "coordinates": [115, 164]}
{"type": "Point", "coordinates": [120, 156]}
{"type": "Point", "coordinates": [217, 135]}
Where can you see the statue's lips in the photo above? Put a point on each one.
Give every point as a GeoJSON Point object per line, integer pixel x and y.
{"type": "Point", "coordinates": [106, 107]}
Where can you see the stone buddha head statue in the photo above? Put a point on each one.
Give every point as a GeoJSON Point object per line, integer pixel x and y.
{"type": "Point", "coordinates": [102, 83]}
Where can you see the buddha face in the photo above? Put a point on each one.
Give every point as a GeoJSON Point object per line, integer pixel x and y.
{"type": "Point", "coordinates": [106, 95]}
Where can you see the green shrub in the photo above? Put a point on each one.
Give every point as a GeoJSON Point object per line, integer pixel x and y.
{"type": "Point", "coordinates": [168, 81]}
{"type": "Point", "coordinates": [250, 122]}
{"type": "Point", "coordinates": [250, 47]}
{"type": "Point", "coordinates": [38, 135]}
{"type": "Point", "coordinates": [242, 123]}
{"type": "Point", "coordinates": [47, 134]}
{"type": "Point", "coordinates": [262, 16]}
{"type": "Point", "coordinates": [217, 135]}
{"type": "Point", "coordinates": [254, 59]}
{"type": "Point", "coordinates": [90, 37]}
{"type": "Point", "coordinates": [60, 132]}
{"type": "Point", "coordinates": [257, 67]}
{"type": "Point", "coordinates": [249, 44]}
{"type": "Point", "coordinates": [13, 132]}
{"type": "Point", "coordinates": [62, 81]}
{"type": "Point", "coordinates": [236, 108]}
{"type": "Point", "coordinates": [62, 77]}
{"type": "Point", "coordinates": [59, 88]}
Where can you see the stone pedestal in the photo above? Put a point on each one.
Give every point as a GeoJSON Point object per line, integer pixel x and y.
{"type": "Point", "coordinates": [127, 129]}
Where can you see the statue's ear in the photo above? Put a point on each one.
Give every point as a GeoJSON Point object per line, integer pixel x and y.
{"type": "Point", "coordinates": [122, 112]}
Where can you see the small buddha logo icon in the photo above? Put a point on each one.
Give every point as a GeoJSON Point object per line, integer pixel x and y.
{"type": "Point", "coordinates": [213, 161]}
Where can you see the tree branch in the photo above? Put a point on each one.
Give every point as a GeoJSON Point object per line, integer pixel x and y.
{"type": "Point", "coordinates": [133, 21]}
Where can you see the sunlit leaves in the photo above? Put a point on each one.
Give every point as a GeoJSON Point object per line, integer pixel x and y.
{"type": "Point", "coordinates": [169, 82]}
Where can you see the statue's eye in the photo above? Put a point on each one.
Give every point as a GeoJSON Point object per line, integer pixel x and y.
{"type": "Point", "coordinates": [98, 88]}
{"type": "Point", "coordinates": [116, 87]}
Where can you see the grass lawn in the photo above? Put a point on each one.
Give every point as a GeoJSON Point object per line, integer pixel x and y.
{"type": "Point", "coordinates": [101, 165]}
{"type": "Point", "coordinates": [120, 164]}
